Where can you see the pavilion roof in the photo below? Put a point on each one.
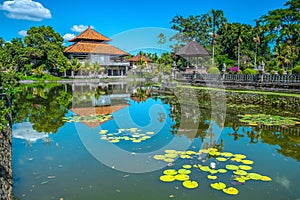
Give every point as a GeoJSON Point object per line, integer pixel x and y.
{"type": "Point", "coordinates": [138, 57]}
{"type": "Point", "coordinates": [92, 47]}
{"type": "Point", "coordinates": [192, 49]}
{"type": "Point", "coordinates": [90, 34]}
{"type": "Point", "coordinates": [104, 110]}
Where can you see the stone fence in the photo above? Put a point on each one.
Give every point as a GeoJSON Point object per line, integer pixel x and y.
{"type": "Point", "coordinates": [5, 155]}
{"type": "Point", "coordinates": [288, 81]}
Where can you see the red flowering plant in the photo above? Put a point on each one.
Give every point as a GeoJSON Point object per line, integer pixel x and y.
{"type": "Point", "coordinates": [234, 70]}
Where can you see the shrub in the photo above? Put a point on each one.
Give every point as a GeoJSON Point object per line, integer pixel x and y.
{"type": "Point", "coordinates": [250, 71]}
{"type": "Point", "coordinates": [273, 72]}
{"type": "Point", "coordinates": [213, 70]}
{"type": "Point", "coordinates": [280, 71]}
{"type": "Point", "coordinates": [296, 70]}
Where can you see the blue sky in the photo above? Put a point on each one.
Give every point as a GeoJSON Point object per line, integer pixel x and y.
{"type": "Point", "coordinates": [113, 18]}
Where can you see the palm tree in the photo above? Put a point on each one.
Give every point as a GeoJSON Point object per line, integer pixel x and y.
{"type": "Point", "coordinates": [215, 19]}
{"type": "Point", "coordinates": [161, 40]}
{"type": "Point", "coordinates": [75, 65]}
{"type": "Point", "coordinates": [1, 41]}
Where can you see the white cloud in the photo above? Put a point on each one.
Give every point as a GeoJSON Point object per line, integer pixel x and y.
{"type": "Point", "coordinates": [68, 36]}
{"type": "Point", "coordinates": [22, 33]}
{"type": "Point", "coordinates": [26, 10]}
{"type": "Point", "coordinates": [79, 28]}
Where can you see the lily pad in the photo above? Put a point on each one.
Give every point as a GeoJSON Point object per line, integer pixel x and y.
{"type": "Point", "coordinates": [171, 151]}
{"type": "Point", "coordinates": [213, 171]}
{"type": "Point", "coordinates": [221, 159]}
{"type": "Point", "coordinates": [218, 185]}
{"type": "Point", "coordinates": [240, 172]}
{"type": "Point", "coordinates": [214, 153]}
{"type": "Point", "coordinates": [187, 166]}
{"type": "Point", "coordinates": [189, 152]}
{"type": "Point", "coordinates": [241, 156]}
{"type": "Point", "coordinates": [231, 167]}
{"type": "Point", "coordinates": [223, 171]}
{"type": "Point", "coordinates": [184, 171]}
{"type": "Point", "coordinates": [231, 191]}
{"type": "Point", "coordinates": [236, 159]}
{"type": "Point", "coordinates": [247, 162]}
{"type": "Point", "coordinates": [203, 151]}
{"type": "Point", "coordinates": [254, 176]}
{"type": "Point", "coordinates": [265, 178]}
{"type": "Point", "coordinates": [170, 172]}
{"type": "Point", "coordinates": [115, 141]}
{"type": "Point", "coordinates": [170, 155]}
{"type": "Point", "coordinates": [182, 177]}
{"type": "Point", "coordinates": [245, 167]}
{"type": "Point", "coordinates": [190, 184]}
{"type": "Point", "coordinates": [205, 168]}
{"type": "Point", "coordinates": [169, 160]}
{"type": "Point", "coordinates": [167, 178]}
{"type": "Point", "coordinates": [185, 156]}
{"type": "Point", "coordinates": [240, 179]}
{"type": "Point", "coordinates": [159, 157]}
{"type": "Point", "coordinates": [226, 154]}
{"type": "Point", "coordinates": [212, 177]}
{"type": "Point", "coordinates": [150, 133]}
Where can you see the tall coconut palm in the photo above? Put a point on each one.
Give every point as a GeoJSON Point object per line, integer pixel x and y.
{"type": "Point", "coordinates": [214, 19]}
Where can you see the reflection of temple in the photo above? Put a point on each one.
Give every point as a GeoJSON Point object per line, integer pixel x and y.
{"type": "Point", "coordinates": [92, 47]}
{"type": "Point", "coordinates": [104, 99]}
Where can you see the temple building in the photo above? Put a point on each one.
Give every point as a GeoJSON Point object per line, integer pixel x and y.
{"type": "Point", "coordinates": [91, 46]}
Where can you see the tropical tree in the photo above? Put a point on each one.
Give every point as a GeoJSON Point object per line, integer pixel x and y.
{"type": "Point", "coordinates": [74, 65]}
{"type": "Point", "coordinates": [45, 46]}
{"type": "Point", "coordinates": [214, 20]}
{"type": "Point", "coordinates": [161, 40]}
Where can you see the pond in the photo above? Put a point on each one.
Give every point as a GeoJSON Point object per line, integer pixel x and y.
{"type": "Point", "coordinates": [101, 142]}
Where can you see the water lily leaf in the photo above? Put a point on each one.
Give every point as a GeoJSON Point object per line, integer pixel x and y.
{"type": "Point", "coordinates": [168, 160]}
{"type": "Point", "coordinates": [221, 159]}
{"type": "Point", "coordinates": [236, 159]}
{"type": "Point", "coordinates": [218, 185]}
{"type": "Point", "coordinates": [240, 179]}
{"type": "Point", "coordinates": [247, 162]}
{"type": "Point", "coordinates": [182, 177]}
{"type": "Point", "coordinates": [159, 157]}
{"type": "Point", "coordinates": [212, 149]}
{"type": "Point", "coordinates": [184, 171]}
{"type": "Point", "coordinates": [171, 151]}
{"type": "Point", "coordinates": [190, 184]}
{"type": "Point", "coordinates": [136, 141]}
{"type": "Point", "coordinates": [187, 166]}
{"type": "Point", "coordinates": [265, 178]}
{"type": "Point", "coordinates": [245, 167]}
{"type": "Point", "coordinates": [226, 154]}
{"type": "Point", "coordinates": [213, 171]}
{"type": "Point", "coordinates": [212, 177]}
{"type": "Point", "coordinates": [185, 156]}
{"type": "Point", "coordinates": [190, 152]}
{"type": "Point", "coordinates": [231, 190]}
{"type": "Point", "coordinates": [169, 155]}
{"type": "Point", "coordinates": [240, 156]}
{"type": "Point", "coordinates": [214, 153]}
{"type": "Point", "coordinates": [203, 151]}
{"type": "Point", "coordinates": [231, 167]}
{"type": "Point", "coordinates": [150, 133]}
{"type": "Point", "coordinates": [223, 171]}
{"type": "Point", "coordinates": [170, 172]}
{"type": "Point", "coordinates": [167, 178]}
{"type": "Point", "coordinates": [240, 172]}
{"type": "Point", "coordinates": [205, 168]}
{"type": "Point", "coordinates": [254, 176]}
{"type": "Point", "coordinates": [115, 141]}
{"type": "Point", "coordinates": [103, 131]}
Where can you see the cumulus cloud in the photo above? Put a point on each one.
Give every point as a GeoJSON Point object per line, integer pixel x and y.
{"type": "Point", "coordinates": [22, 33]}
{"type": "Point", "coordinates": [68, 36]}
{"type": "Point", "coordinates": [26, 10]}
{"type": "Point", "coordinates": [79, 28]}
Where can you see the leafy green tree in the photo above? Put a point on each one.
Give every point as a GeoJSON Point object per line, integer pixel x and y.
{"type": "Point", "coordinates": [45, 47]}
{"type": "Point", "coordinates": [161, 40]}
{"type": "Point", "coordinates": [214, 20]}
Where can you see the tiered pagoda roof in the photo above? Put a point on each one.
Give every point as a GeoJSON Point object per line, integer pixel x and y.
{"type": "Point", "coordinates": [90, 41]}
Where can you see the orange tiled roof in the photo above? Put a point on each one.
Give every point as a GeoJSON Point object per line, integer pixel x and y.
{"type": "Point", "coordinates": [138, 58]}
{"type": "Point", "coordinates": [90, 34]}
{"type": "Point", "coordinates": [93, 47]}
{"type": "Point", "coordinates": [97, 110]}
